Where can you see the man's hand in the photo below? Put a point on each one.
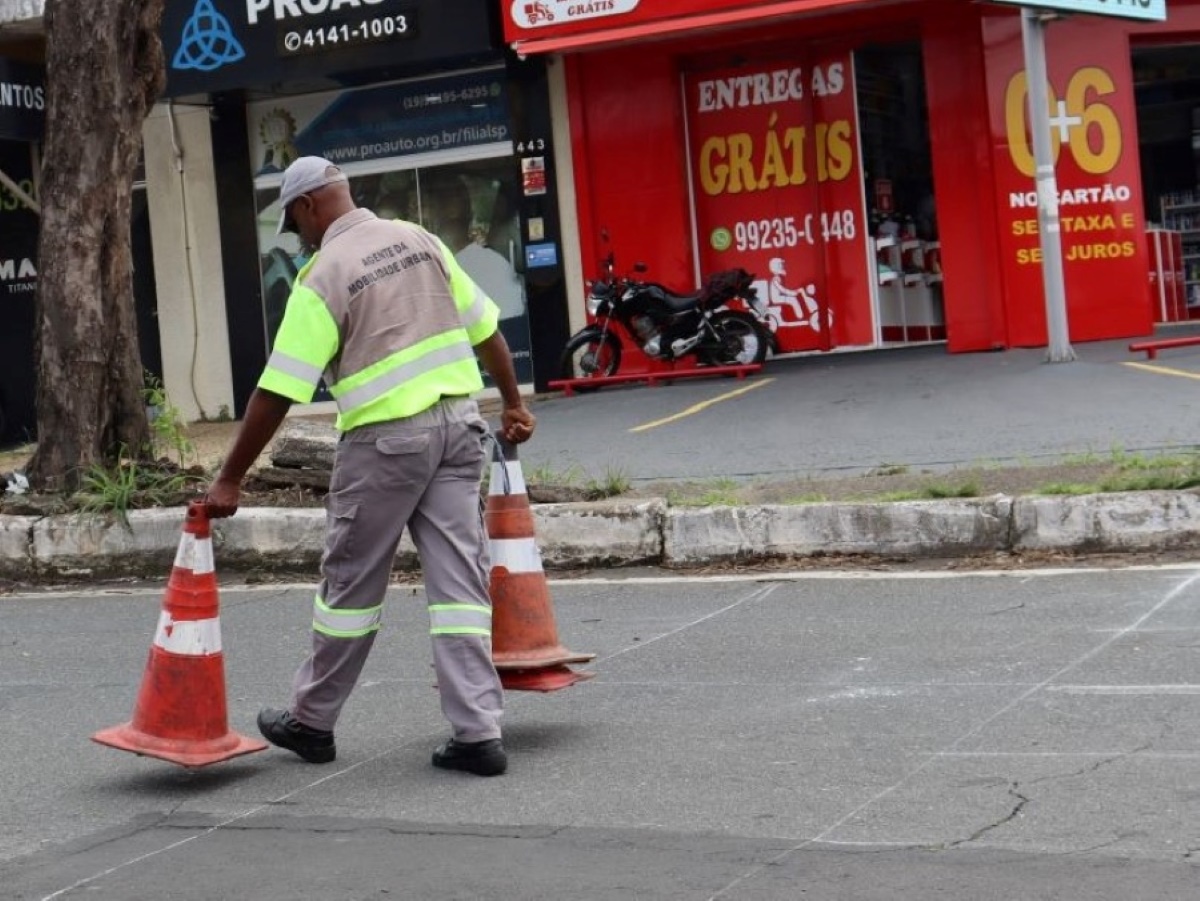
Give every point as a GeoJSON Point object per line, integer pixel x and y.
{"type": "Point", "coordinates": [517, 424]}
{"type": "Point", "coordinates": [264, 412]}
{"type": "Point", "coordinates": [222, 498]}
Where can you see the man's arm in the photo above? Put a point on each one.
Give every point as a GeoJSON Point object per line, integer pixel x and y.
{"type": "Point", "coordinates": [516, 422]}
{"type": "Point", "coordinates": [264, 413]}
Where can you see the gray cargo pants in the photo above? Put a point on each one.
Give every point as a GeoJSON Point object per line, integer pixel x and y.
{"type": "Point", "coordinates": [423, 472]}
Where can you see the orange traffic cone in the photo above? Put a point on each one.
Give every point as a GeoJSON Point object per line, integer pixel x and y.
{"type": "Point", "coordinates": [180, 714]}
{"type": "Point", "coordinates": [525, 646]}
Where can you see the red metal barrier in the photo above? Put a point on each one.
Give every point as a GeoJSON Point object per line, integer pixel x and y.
{"type": "Point", "coordinates": [1151, 348]}
{"type": "Point", "coordinates": [568, 386]}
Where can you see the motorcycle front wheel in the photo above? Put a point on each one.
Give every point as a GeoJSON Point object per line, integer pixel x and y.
{"type": "Point", "coordinates": [740, 340]}
{"type": "Point", "coordinates": [590, 354]}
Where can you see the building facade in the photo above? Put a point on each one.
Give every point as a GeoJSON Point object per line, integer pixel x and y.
{"type": "Point", "coordinates": [871, 161]}
{"type": "Point", "coordinates": [421, 104]}
{"type": "Point", "coordinates": [22, 109]}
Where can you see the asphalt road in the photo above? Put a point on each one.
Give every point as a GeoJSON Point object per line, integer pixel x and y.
{"type": "Point", "coordinates": [846, 414]}
{"type": "Point", "coordinates": [830, 736]}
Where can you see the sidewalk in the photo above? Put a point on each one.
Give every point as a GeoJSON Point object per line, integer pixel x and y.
{"type": "Point", "coordinates": [917, 406]}
{"type": "Point", "coordinates": [650, 533]}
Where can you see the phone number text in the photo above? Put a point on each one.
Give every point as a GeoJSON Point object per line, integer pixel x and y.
{"type": "Point", "coordinates": [791, 231]}
{"type": "Point", "coordinates": [469, 94]}
{"type": "Point", "coordinates": [348, 34]}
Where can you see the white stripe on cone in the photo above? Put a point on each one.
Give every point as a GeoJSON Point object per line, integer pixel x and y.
{"type": "Point", "coordinates": [195, 554]}
{"type": "Point", "coordinates": [517, 555]}
{"type": "Point", "coordinates": [516, 478]}
{"type": "Point", "coordinates": [188, 638]}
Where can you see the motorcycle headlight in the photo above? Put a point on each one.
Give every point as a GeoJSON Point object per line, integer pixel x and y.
{"type": "Point", "coordinates": [593, 304]}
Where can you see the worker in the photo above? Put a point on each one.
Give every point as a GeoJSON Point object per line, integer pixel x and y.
{"type": "Point", "coordinates": [386, 315]}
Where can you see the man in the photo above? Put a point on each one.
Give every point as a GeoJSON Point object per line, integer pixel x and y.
{"type": "Point", "coordinates": [384, 312]}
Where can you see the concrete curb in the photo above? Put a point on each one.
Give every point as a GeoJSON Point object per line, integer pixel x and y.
{"type": "Point", "coordinates": [642, 533]}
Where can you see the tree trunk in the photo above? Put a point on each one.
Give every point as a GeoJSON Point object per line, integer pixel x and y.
{"type": "Point", "coordinates": [104, 71]}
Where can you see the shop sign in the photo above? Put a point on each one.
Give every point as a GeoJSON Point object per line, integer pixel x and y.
{"type": "Point", "coordinates": [1094, 141]}
{"type": "Point", "coordinates": [779, 192]}
{"type": "Point", "coordinates": [1152, 10]}
{"type": "Point", "coordinates": [543, 13]}
{"type": "Point", "coordinates": [536, 19]}
{"type": "Point", "coordinates": [21, 10]}
{"type": "Point", "coordinates": [22, 101]}
{"type": "Point", "coordinates": [396, 120]}
{"type": "Point", "coordinates": [218, 45]}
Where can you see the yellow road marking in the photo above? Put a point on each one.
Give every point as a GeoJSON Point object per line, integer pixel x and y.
{"type": "Point", "coordinates": [701, 406]}
{"type": "Point", "coordinates": [1164, 370]}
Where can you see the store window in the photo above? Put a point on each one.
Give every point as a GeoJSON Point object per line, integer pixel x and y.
{"type": "Point", "coordinates": [436, 152]}
{"type": "Point", "coordinates": [1167, 88]}
{"type": "Point", "coordinates": [18, 284]}
{"type": "Point", "coordinates": [898, 173]}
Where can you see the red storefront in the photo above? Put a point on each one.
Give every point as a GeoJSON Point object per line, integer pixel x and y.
{"type": "Point", "coordinates": [869, 160]}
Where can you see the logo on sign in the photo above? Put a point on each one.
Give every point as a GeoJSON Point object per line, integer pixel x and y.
{"type": "Point", "coordinates": [539, 13]}
{"type": "Point", "coordinates": [208, 41]}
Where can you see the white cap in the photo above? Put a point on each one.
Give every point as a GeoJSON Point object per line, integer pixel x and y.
{"type": "Point", "coordinates": [305, 175]}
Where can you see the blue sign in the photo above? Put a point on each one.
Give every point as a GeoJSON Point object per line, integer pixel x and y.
{"type": "Point", "coordinates": [208, 41]}
{"type": "Point", "coordinates": [394, 120]}
{"type": "Point", "coordinates": [1150, 10]}
{"type": "Point", "coordinates": [222, 45]}
{"type": "Point", "coordinates": [541, 256]}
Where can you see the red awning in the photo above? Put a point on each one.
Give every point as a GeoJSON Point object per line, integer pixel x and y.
{"type": "Point", "coordinates": [747, 15]}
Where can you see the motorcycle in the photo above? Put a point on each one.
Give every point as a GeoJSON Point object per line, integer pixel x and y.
{"type": "Point", "coordinates": [667, 326]}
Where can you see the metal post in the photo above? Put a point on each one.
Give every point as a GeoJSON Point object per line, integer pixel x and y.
{"type": "Point", "coordinates": [1033, 33]}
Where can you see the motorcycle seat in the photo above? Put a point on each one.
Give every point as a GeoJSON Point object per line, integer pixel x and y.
{"type": "Point", "coordinates": [676, 303]}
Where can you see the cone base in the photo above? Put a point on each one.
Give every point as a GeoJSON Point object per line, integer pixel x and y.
{"type": "Point", "coordinates": [185, 752]}
{"type": "Point", "coordinates": [550, 678]}
{"type": "Point", "coordinates": [534, 658]}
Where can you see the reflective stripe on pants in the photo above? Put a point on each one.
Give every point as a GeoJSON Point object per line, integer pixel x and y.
{"type": "Point", "coordinates": [423, 471]}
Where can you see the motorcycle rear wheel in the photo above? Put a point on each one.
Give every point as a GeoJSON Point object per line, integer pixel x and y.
{"type": "Point", "coordinates": [590, 355]}
{"type": "Point", "coordinates": [742, 340]}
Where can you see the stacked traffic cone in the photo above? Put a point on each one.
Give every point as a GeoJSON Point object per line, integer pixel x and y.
{"type": "Point", "coordinates": [525, 646]}
{"type": "Point", "coordinates": [180, 713]}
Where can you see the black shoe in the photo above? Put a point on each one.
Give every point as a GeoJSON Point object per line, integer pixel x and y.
{"type": "Point", "coordinates": [483, 758]}
{"type": "Point", "coordinates": [280, 728]}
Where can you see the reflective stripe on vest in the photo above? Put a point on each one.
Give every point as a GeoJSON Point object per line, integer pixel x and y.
{"type": "Point", "coordinates": [476, 311]}
{"type": "Point", "coordinates": [345, 623]}
{"type": "Point", "coordinates": [460, 619]}
{"type": "Point", "coordinates": [298, 369]}
{"type": "Point", "coordinates": [391, 379]}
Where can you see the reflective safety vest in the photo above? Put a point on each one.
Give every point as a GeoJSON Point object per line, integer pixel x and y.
{"type": "Point", "coordinates": [387, 316]}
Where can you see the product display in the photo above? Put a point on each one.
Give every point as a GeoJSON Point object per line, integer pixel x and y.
{"type": "Point", "coordinates": [1181, 213]}
{"type": "Point", "coordinates": [909, 273]}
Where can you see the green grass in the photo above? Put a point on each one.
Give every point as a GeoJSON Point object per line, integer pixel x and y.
{"type": "Point", "coordinates": [114, 490]}
{"type": "Point", "coordinates": [615, 482]}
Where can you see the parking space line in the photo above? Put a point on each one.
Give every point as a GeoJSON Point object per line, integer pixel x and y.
{"type": "Point", "coordinates": [703, 405]}
{"type": "Point", "coordinates": [1164, 370]}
